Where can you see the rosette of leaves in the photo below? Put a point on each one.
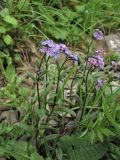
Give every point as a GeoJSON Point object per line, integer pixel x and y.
{"type": "Point", "coordinates": [76, 148]}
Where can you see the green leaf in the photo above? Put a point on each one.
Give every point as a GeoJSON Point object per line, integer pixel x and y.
{"type": "Point", "coordinates": [11, 20]}
{"type": "Point", "coordinates": [65, 110]}
{"type": "Point", "coordinates": [30, 75]}
{"type": "Point", "coordinates": [58, 34]}
{"type": "Point", "coordinates": [99, 134]}
{"type": "Point", "coordinates": [4, 12]}
{"type": "Point", "coordinates": [17, 155]}
{"type": "Point", "coordinates": [17, 57]}
{"type": "Point", "coordinates": [23, 4]}
{"type": "Point", "coordinates": [7, 39]}
{"type": "Point", "coordinates": [75, 148]}
{"type": "Point", "coordinates": [35, 156]}
{"type": "Point", "coordinates": [2, 55]}
{"type": "Point", "coordinates": [2, 29]}
{"type": "Point", "coordinates": [109, 116]}
{"type": "Point", "coordinates": [10, 5]}
{"type": "Point", "coordinates": [25, 128]}
{"type": "Point", "coordinates": [106, 131]}
{"type": "Point", "coordinates": [80, 8]}
{"type": "Point", "coordinates": [93, 136]}
{"type": "Point", "coordinates": [84, 133]}
{"type": "Point", "coordinates": [59, 153]}
{"type": "Point", "coordinates": [10, 73]}
{"type": "Point", "coordinates": [46, 91]}
{"type": "Point", "coordinates": [23, 91]}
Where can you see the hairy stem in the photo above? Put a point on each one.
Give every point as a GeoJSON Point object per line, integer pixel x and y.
{"type": "Point", "coordinates": [86, 60]}
{"type": "Point", "coordinates": [37, 79]}
{"type": "Point", "coordinates": [46, 79]}
{"type": "Point", "coordinates": [71, 87]}
{"type": "Point", "coordinates": [39, 102]}
{"type": "Point", "coordinates": [58, 81]}
{"type": "Point", "coordinates": [86, 93]}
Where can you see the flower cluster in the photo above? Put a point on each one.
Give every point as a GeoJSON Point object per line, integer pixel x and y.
{"type": "Point", "coordinates": [96, 61]}
{"type": "Point", "coordinates": [53, 50]}
{"type": "Point", "coordinates": [98, 35]}
{"type": "Point", "coordinates": [50, 48]}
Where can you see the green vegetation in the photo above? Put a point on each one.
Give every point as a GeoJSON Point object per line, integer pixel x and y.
{"type": "Point", "coordinates": [56, 104]}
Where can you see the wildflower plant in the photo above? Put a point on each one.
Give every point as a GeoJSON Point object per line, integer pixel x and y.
{"type": "Point", "coordinates": [86, 86]}
{"type": "Point", "coordinates": [50, 49]}
{"type": "Point", "coordinates": [69, 102]}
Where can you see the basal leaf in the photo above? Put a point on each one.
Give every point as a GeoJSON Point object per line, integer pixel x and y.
{"type": "Point", "coordinates": [36, 156]}
{"type": "Point", "coordinates": [8, 39]}
{"type": "Point", "coordinates": [2, 29]}
{"type": "Point", "coordinates": [10, 73]}
{"type": "Point", "coordinates": [11, 20]}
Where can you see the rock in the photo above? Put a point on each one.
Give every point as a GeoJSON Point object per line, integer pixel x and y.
{"type": "Point", "coordinates": [113, 42]}
{"type": "Point", "coordinates": [115, 85]}
{"type": "Point", "coordinates": [116, 76]}
{"type": "Point", "coordinates": [109, 43]}
{"type": "Point", "coordinates": [2, 158]}
{"type": "Point", "coordinates": [102, 45]}
{"type": "Point", "coordinates": [53, 123]}
{"type": "Point", "coordinates": [70, 125]}
{"type": "Point", "coordinates": [8, 117]}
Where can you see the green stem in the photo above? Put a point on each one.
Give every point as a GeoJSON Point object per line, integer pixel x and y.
{"type": "Point", "coordinates": [58, 81]}
{"type": "Point", "coordinates": [86, 94]}
{"type": "Point", "coordinates": [46, 79]}
{"type": "Point", "coordinates": [86, 60]}
{"type": "Point", "coordinates": [37, 79]}
{"type": "Point", "coordinates": [71, 87]}
{"type": "Point", "coordinates": [38, 95]}
{"type": "Point", "coordinates": [41, 62]}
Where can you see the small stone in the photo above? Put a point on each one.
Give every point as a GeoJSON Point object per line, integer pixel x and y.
{"type": "Point", "coordinates": [70, 125]}
{"type": "Point", "coordinates": [113, 42]}
{"type": "Point", "coordinates": [53, 123]}
{"type": "Point", "coordinates": [115, 85]}
{"type": "Point", "coordinates": [8, 116]}
{"type": "Point", "coordinates": [2, 158]}
{"type": "Point", "coordinates": [117, 76]}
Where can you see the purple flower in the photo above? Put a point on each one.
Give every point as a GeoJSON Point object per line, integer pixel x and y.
{"type": "Point", "coordinates": [96, 61]}
{"type": "Point", "coordinates": [63, 47]}
{"type": "Point", "coordinates": [92, 61]}
{"type": "Point", "coordinates": [53, 50]}
{"type": "Point", "coordinates": [43, 49]}
{"type": "Point", "coordinates": [65, 50]}
{"type": "Point", "coordinates": [68, 53]}
{"type": "Point", "coordinates": [50, 48]}
{"type": "Point", "coordinates": [100, 62]}
{"type": "Point", "coordinates": [98, 35]}
{"type": "Point", "coordinates": [48, 43]}
{"type": "Point", "coordinates": [47, 50]}
{"type": "Point", "coordinates": [98, 84]}
{"type": "Point", "coordinates": [56, 50]}
{"type": "Point", "coordinates": [75, 57]}
{"type": "Point", "coordinates": [99, 52]}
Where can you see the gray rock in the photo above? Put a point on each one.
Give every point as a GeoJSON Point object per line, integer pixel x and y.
{"type": "Point", "coordinates": [113, 42]}
{"type": "Point", "coordinates": [2, 158]}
